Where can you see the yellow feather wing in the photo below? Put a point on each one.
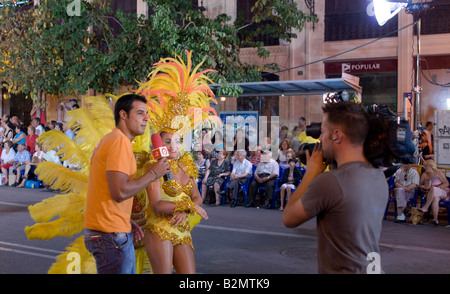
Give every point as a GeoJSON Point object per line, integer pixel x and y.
{"type": "Point", "coordinates": [101, 113]}
{"type": "Point", "coordinates": [62, 227]}
{"type": "Point", "coordinates": [87, 132]}
{"type": "Point", "coordinates": [61, 178]}
{"type": "Point", "coordinates": [58, 205]}
{"type": "Point", "coordinates": [66, 148]}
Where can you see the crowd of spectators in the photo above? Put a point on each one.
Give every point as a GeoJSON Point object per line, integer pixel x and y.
{"type": "Point", "coordinates": [20, 150]}
{"type": "Point", "coordinates": [254, 168]}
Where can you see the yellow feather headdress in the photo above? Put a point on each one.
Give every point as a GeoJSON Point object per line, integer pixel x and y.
{"type": "Point", "coordinates": [178, 96]}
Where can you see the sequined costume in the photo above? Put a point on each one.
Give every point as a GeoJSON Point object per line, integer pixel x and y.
{"type": "Point", "coordinates": [179, 98]}
{"type": "Point", "coordinates": [173, 191]}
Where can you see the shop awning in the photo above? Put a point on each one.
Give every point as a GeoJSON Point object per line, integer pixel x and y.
{"type": "Point", "coordinates": [348, 83]}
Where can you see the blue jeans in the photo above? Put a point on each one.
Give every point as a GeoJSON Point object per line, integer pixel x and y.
{"type": "Point", "coordinates": [113, 252]}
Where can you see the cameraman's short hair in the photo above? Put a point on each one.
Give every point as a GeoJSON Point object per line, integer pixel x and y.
{"type": "Point", "coordinates": [351, 117]}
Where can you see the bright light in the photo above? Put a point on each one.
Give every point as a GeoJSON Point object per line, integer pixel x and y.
{"type": "Point", "coordinates": [448, 103]}
{"type": "Point", "coordinates": [385, 10]}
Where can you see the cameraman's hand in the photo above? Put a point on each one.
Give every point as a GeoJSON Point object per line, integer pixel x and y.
{"type": "Point", "coordinates": [160, 168]}
{"type": "Point", "coordinates": [314, 162]}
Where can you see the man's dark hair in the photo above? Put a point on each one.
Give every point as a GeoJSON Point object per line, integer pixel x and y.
{"type": "Point", "coordinates": [126, 103]}
{"type": "Point", "coordinates": [37, 119]}
{"type": "Point", "coordinates": [351, 117]}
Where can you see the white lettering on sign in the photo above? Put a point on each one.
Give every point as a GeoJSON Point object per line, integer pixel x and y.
{"type": "Point", "coordinates": [348, 67]}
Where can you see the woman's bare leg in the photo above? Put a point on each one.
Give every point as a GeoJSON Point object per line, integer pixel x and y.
{"type": "Point", "coordinates": [183, 259]}
{"type": "Point", "coordinates": [160, 253]}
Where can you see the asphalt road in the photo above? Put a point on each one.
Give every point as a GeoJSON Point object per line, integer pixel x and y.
{"type": "Point", "coordinates": [232, 241]}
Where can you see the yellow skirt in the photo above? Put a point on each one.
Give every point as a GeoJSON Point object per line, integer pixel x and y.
{"type": "Point", "coordinates": [178, 235]}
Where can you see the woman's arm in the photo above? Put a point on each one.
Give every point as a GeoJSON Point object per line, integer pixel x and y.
{"type": "Point", "coordinates": [444, 182]}
{"type": "Point", "coordinates": [22, 135]}
{"type": "Point", "coordinates": [154, 199]}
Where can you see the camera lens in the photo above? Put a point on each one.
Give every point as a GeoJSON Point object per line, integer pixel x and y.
{"type": "Point", "coordinates": [314, 130]}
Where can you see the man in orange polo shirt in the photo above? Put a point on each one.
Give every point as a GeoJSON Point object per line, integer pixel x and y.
{"type": "Point", "coordinates": [111, 187]}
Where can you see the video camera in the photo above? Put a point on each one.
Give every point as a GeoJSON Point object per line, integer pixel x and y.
{"type": "Point", "coordinates": [388, 141]}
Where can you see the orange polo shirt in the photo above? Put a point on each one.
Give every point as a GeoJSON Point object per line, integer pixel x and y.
{"type": "Point", "coordinates": [113, 153]}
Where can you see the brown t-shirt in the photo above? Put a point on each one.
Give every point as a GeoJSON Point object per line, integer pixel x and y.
{"type": "Point", "coordinates": [349, 204]}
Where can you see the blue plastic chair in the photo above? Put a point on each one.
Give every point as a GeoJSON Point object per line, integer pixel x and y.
{"type": "Point", "coordinates": [391, 184]}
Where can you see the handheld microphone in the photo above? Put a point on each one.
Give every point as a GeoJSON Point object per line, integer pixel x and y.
{"type": "Point", "coordinates": [160, 151]}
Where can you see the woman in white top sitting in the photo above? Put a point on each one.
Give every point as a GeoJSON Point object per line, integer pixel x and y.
{"type": "Point", "coordinates": [7, 159]}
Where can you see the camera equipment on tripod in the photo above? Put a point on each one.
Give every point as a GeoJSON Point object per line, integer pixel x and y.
{"type": "Point", "coordinates": [388, 141]}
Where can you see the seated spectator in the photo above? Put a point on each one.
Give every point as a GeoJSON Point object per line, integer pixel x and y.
{"type": "Point", "coordinates": [434, 182]}
{"type": "Point", "coordinates": [19, 137]}
{"type": "Point", "coordinates": [58, 126]}
{"type": "Point", "coordinates": [50, 155]}
{"type": "Point", "coordinates": [202, 164]}
{"type": "Point", "coordinates": [290, 154]}
{"type": "Point", "coordinates": [51, 125]}
{"type": "Point", "coordinates": [242, 169]}
{"type": "Point", "coordinates": [31, 139]}
{"type": "Point", "coordinates": [7, 158]}
{"type": "Point", "coordinates": [265, 174]}
{"type": "Point", "coordinates": [218, 142]}
{"type": "Point", "coordinates": [68, 131]}
{"type": "Point", "coordinates": [255, 156]}
{"type": "Point", "coordinates": [8, 131]}
{"type": "Point", "coordinates": [38, 157]}
{"type": "Point", "coordinates": [291, 176]}
{"type": "Point", "coordinates": [406, 182]}
{"type": "Point", "coordinates": [36, 123]}
{"type": "Point", "coordinates": [2, 132]}
{"type": "Point", "coordinates": [215, 176]}
{"type": "Point", "coordinates": [284, 134]}
{"type": "Point", "coordinates": [20, 159]}
{"type": "Point", "coordinates": [283, 149]}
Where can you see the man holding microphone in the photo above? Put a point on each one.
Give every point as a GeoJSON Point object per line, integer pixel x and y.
{"type": "Point", "coordinates": [109, 230]}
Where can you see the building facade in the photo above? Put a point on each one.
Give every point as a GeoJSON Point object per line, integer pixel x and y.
{"type": "Point", "coordinates": [346, 38]}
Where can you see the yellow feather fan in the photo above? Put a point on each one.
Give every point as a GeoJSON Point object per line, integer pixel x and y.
{"type": "Point", "coordinates": [65, 148]}
{"type": "Point", "coordinates": [100, 110]}
{"type": "Point", "coordinates": [58, 205]}
{"type": "Point", "coordinates": [61, 178]}
{"type": "Point", "coordinates": [63, 227]}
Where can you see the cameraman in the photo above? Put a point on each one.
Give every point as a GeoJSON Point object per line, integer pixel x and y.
{"type": "Point", "coordinates": [348, 201]}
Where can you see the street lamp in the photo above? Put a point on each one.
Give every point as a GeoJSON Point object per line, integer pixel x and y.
{"type": "Point", "coordinates": [385, 10]}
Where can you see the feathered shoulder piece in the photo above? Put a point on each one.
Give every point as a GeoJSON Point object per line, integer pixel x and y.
{"type": "Point", "coordinates": [174, 90]}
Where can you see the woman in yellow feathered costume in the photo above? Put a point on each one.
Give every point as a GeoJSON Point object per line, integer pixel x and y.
{"type": "Point", "coordinates": [63, 214]}
{"type": "Point", "coordinates": [167, 237]}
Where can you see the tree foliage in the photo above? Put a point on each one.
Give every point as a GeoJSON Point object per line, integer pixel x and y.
{"type": "Point", "coordinates": [43, 49]}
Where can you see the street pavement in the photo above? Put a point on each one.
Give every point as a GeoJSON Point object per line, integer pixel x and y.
{"type": "Point", "coordinates": [233, 241]}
